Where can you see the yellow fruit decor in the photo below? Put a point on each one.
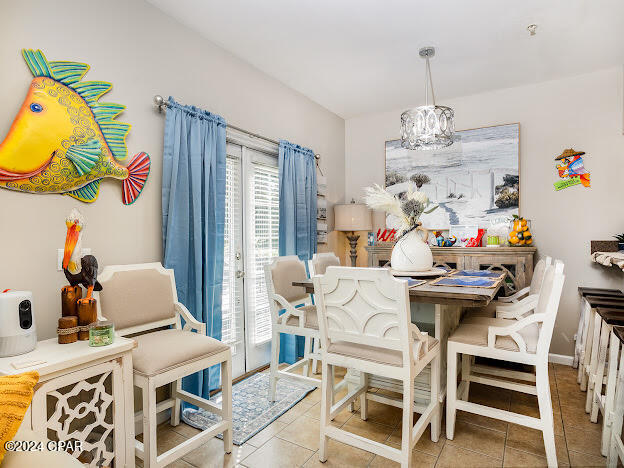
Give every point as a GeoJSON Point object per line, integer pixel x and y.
{"type": "Point", "coordinates": [520, 233]}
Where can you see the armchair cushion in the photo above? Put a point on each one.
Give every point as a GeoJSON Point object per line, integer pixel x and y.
{"type": "Point", "coordinates": [476, 333]}
{"type": "Point", "coordinates": [374, 353]}
{"type": "Point", "coordinates": [310, 318]}
{"type": "Point", "coordinates": [135, 297]}
{"type": "Point", "coordinates": [160, 351]}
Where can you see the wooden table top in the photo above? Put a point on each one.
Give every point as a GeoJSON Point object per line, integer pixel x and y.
{"type": "Point", "coordinates": [447, 295]}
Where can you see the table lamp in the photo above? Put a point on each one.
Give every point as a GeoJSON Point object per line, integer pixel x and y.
{"type": "Point", "coordinates": [351, 217]}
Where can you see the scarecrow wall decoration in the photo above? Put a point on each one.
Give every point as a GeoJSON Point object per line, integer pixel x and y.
{"type": "Point", "coordinates": [571, 169]}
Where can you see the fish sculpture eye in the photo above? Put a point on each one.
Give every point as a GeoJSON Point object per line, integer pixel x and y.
{"type": "Point", "coordinates": [35, 107]}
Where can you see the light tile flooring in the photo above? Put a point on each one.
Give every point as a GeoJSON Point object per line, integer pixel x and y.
{"type": "Point", "coordinates": [293, 439]}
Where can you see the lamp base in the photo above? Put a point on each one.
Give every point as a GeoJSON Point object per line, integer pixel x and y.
{"type": "Point", "coordinates": [353, 239]}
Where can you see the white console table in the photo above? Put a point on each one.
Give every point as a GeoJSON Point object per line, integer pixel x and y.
{"type": "Point", "coordinates": [84, 393]}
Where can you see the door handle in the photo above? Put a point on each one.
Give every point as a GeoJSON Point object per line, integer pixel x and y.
{"type": "Point", "coordinates": [240, 274]}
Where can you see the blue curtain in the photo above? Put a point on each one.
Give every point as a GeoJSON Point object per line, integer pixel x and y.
{"type": "Point", "coordinates": [297, 220]}
{"type": "Point", "coordinates": [193, 209]}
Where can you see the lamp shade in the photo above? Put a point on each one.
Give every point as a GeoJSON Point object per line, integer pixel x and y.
{"type": "Point", "coordinates": [352, 217]}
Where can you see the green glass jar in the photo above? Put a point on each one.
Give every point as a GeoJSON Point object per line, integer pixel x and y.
{"type": "Point", "coordinates": [101, 333]}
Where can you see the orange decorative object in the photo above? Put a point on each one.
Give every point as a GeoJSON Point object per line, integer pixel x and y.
{"type": "Point", "coordinates": [520, 233]}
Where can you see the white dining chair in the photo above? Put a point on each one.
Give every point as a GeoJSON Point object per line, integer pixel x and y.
{"type": "Point", "coordinates": [299, 317]}
{"type": "Point", "coordinates": [317, 266]}
{"type": "Point", "coordinates": [603, 396]}
{"type": "Point", "coordinates": [582, 332]}
{"type": "Point", "coordinates": [591, 353]}
{"type": "Point", "coordinates": [142, 299]}
{"type": "Point", "coordinates": [616, 447]}
{"type": "Point", "coordinates": [321, 261]}
{"type": "Point", "coordinates": [518, 304]}
{"type": "Point", "coordinates": [524, 341]}
{"type": "Point", "coordinates": [364, 319]}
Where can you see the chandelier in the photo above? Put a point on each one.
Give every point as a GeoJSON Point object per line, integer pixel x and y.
{"type": "Point", "coordinates": [427, 127]}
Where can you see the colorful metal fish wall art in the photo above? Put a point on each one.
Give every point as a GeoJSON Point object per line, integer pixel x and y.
{"type": "Point", "coordinates": [571, 169]}
{"type": "Point", "coordinates": [64, 141]}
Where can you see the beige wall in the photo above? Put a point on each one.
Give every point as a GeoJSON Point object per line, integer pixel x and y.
{"type": "Point", "coordinates": [142, 52]}
{"type": "Point", "coordinates": [584, 112]}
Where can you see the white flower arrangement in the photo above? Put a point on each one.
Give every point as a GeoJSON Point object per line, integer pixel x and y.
{"type": "Point", "coordinates": [407, 209]}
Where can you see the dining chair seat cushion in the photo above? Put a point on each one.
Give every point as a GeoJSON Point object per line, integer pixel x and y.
{"type": "Point", "coordinates": [164, 350]}
{"type": "Point", "coordinates": [474, 331]}
{"type": "Point", "coordinates": [310, 318]}
{"type": "Point", "coordinates": [373, 353]}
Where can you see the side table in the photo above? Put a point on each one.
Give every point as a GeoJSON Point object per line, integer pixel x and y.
{"type": "Point", "coordinates": [84, 394]}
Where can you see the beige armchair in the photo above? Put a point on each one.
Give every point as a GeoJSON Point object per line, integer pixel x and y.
{"type": "Point", "coordinates": [141, 300]}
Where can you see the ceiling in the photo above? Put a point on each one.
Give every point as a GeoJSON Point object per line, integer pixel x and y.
{"type": "Point", "coordinates": [361, 56]}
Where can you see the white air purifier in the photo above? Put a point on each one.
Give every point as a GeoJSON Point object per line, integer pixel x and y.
{"type": "Point", "coordinates": [18, 334]}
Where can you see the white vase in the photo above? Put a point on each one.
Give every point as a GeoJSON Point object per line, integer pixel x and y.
{"type": "Point", "coordinates": [411, 252]}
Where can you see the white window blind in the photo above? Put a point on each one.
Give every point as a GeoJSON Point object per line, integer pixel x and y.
{"type": "Point", "coordinates": [232, 307]}
{"type": "Point", "coordinates": [262, 242]}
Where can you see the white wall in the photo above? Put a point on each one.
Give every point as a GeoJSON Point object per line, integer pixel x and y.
{"type": "Point", "coordinates": [584, 112]}
{"type": "Point", "coordinates": [142, 52]}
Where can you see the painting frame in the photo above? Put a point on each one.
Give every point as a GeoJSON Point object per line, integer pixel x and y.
{"type": "Point", "coordinates": [517, 159]}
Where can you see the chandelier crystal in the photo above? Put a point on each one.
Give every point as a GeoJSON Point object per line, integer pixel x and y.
{"type": "Point", "coordinates": [427, 127]}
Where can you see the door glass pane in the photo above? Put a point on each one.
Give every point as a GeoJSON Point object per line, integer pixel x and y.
{"type": "Point", "coordinates": [232, 307]}
{"type": "Point", "coordinates": [262, 244]}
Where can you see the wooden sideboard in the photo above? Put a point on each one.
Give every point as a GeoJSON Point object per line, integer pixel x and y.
{"type": "Point", "coordinates": [516, 262]}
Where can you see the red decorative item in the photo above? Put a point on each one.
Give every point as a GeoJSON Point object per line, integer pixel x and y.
{"type": "Point", "coordinates": [476, 241]}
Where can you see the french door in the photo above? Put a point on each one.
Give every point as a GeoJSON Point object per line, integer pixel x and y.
{"type": "Point", "coordinates": [251, 240]}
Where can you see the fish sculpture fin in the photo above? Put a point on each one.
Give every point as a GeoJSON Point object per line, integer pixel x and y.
{"type": "Point", "coordinates": [37, 62]}
{"type": "Point", "coordinates": [84, 156]}
{"type": "Point", "coordinates": [115, 134]}
{"type": "Point", "coordinates": [138, 170]}
{"type": "Point", "coordinates": [68, 73]}
{"type": "Point", "coordinates": [87, 193]}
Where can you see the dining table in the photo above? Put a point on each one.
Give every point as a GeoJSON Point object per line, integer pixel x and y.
{"type": "Point", "coordinates": [448, 303]}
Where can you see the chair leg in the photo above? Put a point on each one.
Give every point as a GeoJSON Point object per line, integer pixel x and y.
{"type": "Point", "coordinates": [175, 411]}
{"type": "Point", "coordinates": [408, 422]}
{"type": "Point", "coordinates": [149, 425]}
{"type": "Point", "coordinates": [451, 391]}
{"type": "Point", "coordinates": [593, 366]}
{"type": "Point", "coordinates": [600, 371]}
{"type": "Point", "coordinates": [466, 359]}
{"type": "Point", "coordinates": [316, 343]}
{"type": "Point", "coordinates": [326, 394]}
{"type": "Point", "coordinates": [436, 419]}
{"type": "Point", "coordinates": [275, 350]}
{"type": "Point", "coordinates": [226, 402]}
{"type": "Point", "coordinates": [618, 413]}
{"type": "Point", "coordinates": [546, 412]}
{"type": "Point", "coordinates": [363, 400]}
{"type": "Point", "coordinates": [306, 356]}
{"type": "Point", "coordinates": [614, 351]}
{"type": "Point", "coordinates": [587, 351]}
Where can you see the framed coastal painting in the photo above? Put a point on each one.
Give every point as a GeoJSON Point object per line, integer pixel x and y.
{"type": "Point", "coordinates": [474, 181]}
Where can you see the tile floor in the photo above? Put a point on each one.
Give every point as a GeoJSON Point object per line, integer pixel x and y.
{"type": "Point", "coordinates": [293, 439]}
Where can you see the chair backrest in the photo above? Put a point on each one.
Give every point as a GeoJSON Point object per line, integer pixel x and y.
{"type": "Point", "coordinates": [538, 275]}
{"type": "Point", "coordinates": [321, 261]}
{"type": "Point", "coordinates": [137, 297]}
{"type": "Point", "coordinates": [279, 276]}
{"type": "Point", "coordinates": [365, 306]}
{"type": "Point", "coordinates": [548, 304]}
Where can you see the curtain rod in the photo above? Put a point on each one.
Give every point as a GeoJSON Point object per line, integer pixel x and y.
{"type": "Point", "coordinates": [159, 102]}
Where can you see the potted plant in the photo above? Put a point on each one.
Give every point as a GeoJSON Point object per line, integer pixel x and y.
{"type": "Point", "coordinates": [411, 251]}
{"type": "Point", "coordinates": [620, 239]}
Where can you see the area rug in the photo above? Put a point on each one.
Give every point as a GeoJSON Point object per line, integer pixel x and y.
{"type": "Point", "coordinates": [251, 409]}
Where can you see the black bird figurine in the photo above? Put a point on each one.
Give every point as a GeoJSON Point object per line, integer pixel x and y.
{"type": "Point", "coordinates": [87, 276]}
